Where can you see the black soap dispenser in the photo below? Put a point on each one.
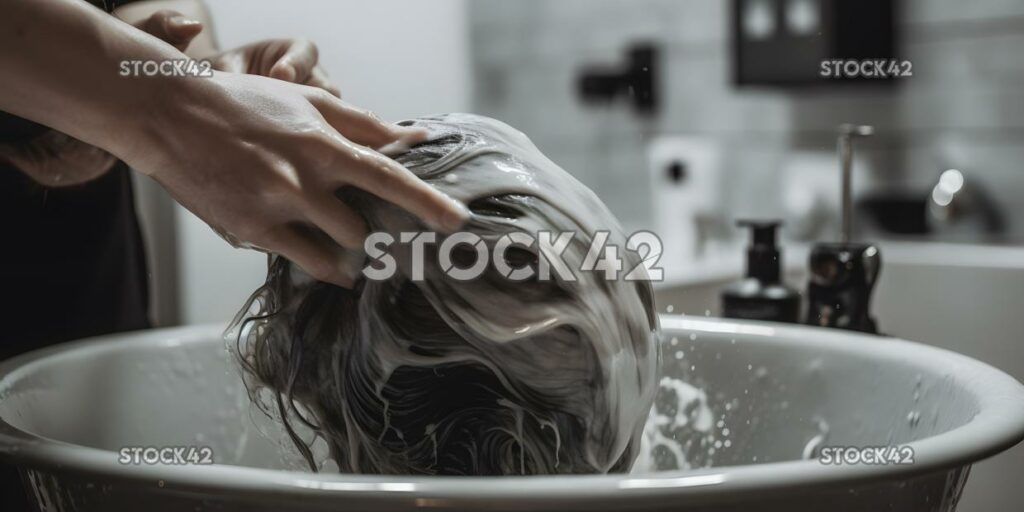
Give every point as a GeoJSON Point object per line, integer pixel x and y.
{"type": "Point", "coordinates": [843, 274]}
{"type": "Point", "coordinates": [761, 295]}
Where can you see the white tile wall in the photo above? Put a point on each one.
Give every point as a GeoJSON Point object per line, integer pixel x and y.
{"type": "Point", "coordinates": [968, 64]}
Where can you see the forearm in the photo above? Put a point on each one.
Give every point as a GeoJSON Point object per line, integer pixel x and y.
{"type": "Point", "coordinates": [61, 68]}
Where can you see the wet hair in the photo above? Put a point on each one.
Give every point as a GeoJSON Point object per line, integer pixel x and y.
{"type": "Point", "coordinates": [487, 376]}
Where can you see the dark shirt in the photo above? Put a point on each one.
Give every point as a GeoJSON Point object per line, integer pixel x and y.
{"type": "Point", "coordinates": [72, 262]}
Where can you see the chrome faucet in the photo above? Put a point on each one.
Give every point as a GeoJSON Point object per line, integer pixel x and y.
{"type": "Point", "coordinates": [843, 274]}
{"type": "Point", "coordinates": [845, 149]}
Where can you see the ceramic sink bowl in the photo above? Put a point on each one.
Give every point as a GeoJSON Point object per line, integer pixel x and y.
{"type": "Point", "coordinates": [773, 402]}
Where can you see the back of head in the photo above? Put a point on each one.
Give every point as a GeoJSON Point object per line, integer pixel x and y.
{"type": "Point", "coordinates": [429, 373]}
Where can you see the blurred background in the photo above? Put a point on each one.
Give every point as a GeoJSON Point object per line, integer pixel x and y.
{"type": "Point", "coordinates": [722, 129]}
{"type": "Point", "coordinates": [684, 116]}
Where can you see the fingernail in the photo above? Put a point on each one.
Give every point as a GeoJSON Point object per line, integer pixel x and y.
{"type": "Point", "coordinates": [181, 21]}
{"type": "Point", "coordinates": [414, 134]}
{"type": "Point", "coordinates": [456, 216]}
{"type": "Point", "coordinates": [407, 138]}
{"type": "Point", "coordinates": [284, 72]}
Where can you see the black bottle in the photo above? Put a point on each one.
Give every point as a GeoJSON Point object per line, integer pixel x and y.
{"type": "Point", "coordinates": [761, 295]}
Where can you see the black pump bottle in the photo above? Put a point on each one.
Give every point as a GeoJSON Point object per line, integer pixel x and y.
{"type": "Point", "coordinates": [761, 295]}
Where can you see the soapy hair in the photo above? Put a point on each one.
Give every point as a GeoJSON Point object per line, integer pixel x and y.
{"type": "Point", "coordinates": [481, 377]}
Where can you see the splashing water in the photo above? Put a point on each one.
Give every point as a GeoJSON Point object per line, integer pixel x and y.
{"type": "Point", "coordinates": [680, 428]}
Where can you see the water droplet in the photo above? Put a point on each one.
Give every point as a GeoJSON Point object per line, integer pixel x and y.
{"type": "Point", "coordinates": [913, 418]}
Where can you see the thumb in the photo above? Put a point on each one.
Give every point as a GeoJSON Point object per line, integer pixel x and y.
{"type": "Point", "coordinates": [171, 27]}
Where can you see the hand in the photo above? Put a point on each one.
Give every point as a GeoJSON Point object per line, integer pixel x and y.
{"type": "Point", "coordinates": [54, 159]}
{"type": "Point", "coordinates": [260, 160]}
{"type": "Point", "coordinates": [291, 60]}
{"type": "Point", "coordinates": [305, 222]}
{"type": "Point", "coordinates": [171, 27]}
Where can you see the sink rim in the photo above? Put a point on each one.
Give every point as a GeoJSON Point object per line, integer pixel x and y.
{"type": "Point", "coordinates": [998, 425]}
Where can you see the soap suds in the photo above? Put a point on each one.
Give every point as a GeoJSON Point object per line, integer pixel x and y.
{"type": "Point", "coordinates": [478, 377]}
{"type": "Point", "coordinates": [679, 431]}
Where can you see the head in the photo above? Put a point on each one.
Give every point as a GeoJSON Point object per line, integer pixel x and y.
{"type": "Point", "coordinates": [485, 376]}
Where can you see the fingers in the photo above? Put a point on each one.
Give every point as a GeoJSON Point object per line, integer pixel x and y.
{"type": "Point", "coordinates": [359, 126]}
{"type": "Point", "coordinates": [172, 27]}
{"type": "Point", "coordinates": [297, 63]}
{"type": "Point", "coordinates": [380, 175]}
{"type": "Point", "coordinates": [388, 180]}
{"type": "Point", "coordinates": [319, 79]}
{"type": "Point", "coordinates": [317, 255]}
{"type": "Point", "coordinates": [337, 220]}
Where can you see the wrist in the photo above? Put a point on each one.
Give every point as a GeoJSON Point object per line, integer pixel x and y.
{"type": "Point", "coordinates": [148, 127]}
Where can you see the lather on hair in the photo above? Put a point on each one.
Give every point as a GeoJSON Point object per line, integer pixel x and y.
{"type": "Point", "coordinates": [479, 377]}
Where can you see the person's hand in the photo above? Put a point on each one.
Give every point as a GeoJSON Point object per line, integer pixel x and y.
{"type": "Point", "coordinates": [291, 60]}
{"type": "Point", "coordinates": [305, 222]}
{"type": "Point", "coordinates": [260, 160]}
{"type": "Point", "coordinates": [171, 27]}
{"type": "Point", "coordinates": [54, 159]}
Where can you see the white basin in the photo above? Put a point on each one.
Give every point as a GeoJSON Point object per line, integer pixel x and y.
{"type": "Point", "coordinates": [961, 297]}
{"type": "Point", "coordinates": [67, 411]}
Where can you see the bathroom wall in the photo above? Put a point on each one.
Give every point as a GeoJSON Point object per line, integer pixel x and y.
{"type": "Point", "coordinates": [400, 58]}
{"type": "Point", "coordinates": [962, 108]}
{"type": "Point", "coordinates": [518, 61]}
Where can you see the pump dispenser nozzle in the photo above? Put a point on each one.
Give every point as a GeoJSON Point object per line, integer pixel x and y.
{"type": "Point", "coordinates": [761, 295]}
{"type": "Point", "coordinates": [763, 258]}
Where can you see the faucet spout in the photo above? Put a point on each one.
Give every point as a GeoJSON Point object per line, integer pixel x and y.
{"type": "Point", "coordinates": [845, 148]}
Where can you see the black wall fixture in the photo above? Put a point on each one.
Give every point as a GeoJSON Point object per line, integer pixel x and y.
{"type": "Point", "coordinates": [636, 80]}
{"type": "Point", "coordinates": [784, 42]}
